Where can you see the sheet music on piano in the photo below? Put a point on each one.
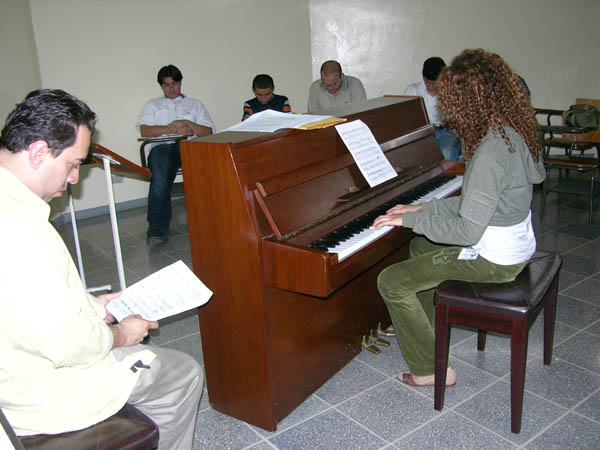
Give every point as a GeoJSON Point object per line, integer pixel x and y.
{"type": "Point", "coordinates": [367, 153]}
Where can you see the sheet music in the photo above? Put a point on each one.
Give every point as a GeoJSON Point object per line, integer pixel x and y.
{"type": "Point", "coordinates": [270, 121]}
{"type": "Point", "coordinates": [167, 292]}
{"type": "Point", "coordinates": [367, 153]}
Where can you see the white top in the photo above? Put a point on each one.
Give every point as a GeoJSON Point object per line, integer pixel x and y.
{"type": "Point", "coordinates": [508, 245]}
{"type": "Point", "coordinates": [163, 111]}
{"type": "Point", "coordinates": [420, 90]}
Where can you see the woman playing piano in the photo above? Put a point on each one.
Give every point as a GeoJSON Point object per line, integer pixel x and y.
{"type": "Point", "coordinates": [485, 234]}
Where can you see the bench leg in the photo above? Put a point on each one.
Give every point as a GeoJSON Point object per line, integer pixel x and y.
{"type": "Point", "coordinates": [550, 320]}
{"type": "Point", "coordinates": [442, 343]}
{"type": "Point", "coordinates": [481, 335]}
{"type": "Point", "coordinates": [518, 361]}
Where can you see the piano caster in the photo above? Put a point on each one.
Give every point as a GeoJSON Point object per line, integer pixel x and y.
{"type": "Point", "coordinates": [377, 340]}
{"type": "Point", "coordinates": [381, 332]}
{"type": "Point", "coordinates": [370, 348]}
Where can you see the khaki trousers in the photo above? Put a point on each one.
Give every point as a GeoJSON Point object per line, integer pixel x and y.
{"type": "Point", "coordinates": [408, 287]}
{"type": "Point", "coordinates": [169, 393]}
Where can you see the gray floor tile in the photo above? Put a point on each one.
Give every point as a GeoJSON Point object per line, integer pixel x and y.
{"type": "Point", "coordinates": [390, 410]}
{"type": "Point", "coordinates": [329, 430]}
{"type": "Point", "coordinates": [591, 407]}
{"type": "Point", "coordinates": [354, 378]}
{"type": "Point", "coordinates": [581, 265]}
{"type": "Point", "coordinates": [583, 349]}
{"type": "Point", "coordinates": [389, 361]}
{"type": "Point", "coordinates": [496, 357]}
{"type": "Point", "coordinates": [588, 291]}
{"type": "Point", "coordinates": [536, 333]}
{"type": "Point", "coordinates": [491, 409]}
{"type": "Point", "coordinates": [589, 250]}
{"type": "Point", "coordinates": [470, 381]}
{"type": "Point", "coordinates": [309, 408]}
{"type": "Point", "coordinates": [261, 446]}
{"type": "Point", "coordinates": [192, 345]}
{"type": "Point", "coordinates": [441, 433]}
{"type": "Point", "coordinates": [581, 230]}
{"type": "Point", "coordinates": [576, 313]}
{"type": "Point", "coordinates": [559, 242]}
{"type": "Point", "coordinates": [567, 279]}
{"type": "Point", "coordinates": [176, 327]}
{"type": "Point", "coordinates": [560, 382]}
{"type": "Point", "coordinates": [594, 328]}
{"type": "Point", "coordinates": [216, 431]}
{"type": "Point", "coordinates": [571, 432]}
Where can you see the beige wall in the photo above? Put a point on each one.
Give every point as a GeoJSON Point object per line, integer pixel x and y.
{"type": "Point", "coordinates": [108, 52]}
{"type": "Point", "coordinates": [19, 70]}
{"type": "Point", "coordinates": [553, 44]}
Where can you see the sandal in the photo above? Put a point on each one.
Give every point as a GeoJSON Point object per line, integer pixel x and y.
{"type": "Point", "coordinates": [407, 378]}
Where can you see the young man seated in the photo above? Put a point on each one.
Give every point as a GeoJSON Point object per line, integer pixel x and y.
{"type": "Point", "coordinates": [263, 88]}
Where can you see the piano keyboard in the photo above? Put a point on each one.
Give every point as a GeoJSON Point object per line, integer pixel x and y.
{"type": "Point", "coordinates": [354, 235]}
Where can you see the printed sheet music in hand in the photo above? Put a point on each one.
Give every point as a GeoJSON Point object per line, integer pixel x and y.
{"type": "Point", "coordinates": [167, 292]}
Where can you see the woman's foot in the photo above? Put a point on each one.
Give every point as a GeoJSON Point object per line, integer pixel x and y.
{"type": "Point", "coordinates": [428, 380]}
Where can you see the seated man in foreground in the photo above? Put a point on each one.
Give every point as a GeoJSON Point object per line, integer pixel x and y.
{"type": "Point", "coordinates": [174, 113]}
{"type": "Point", "coordinates": [64, 367]}
{"type": "Point", "coordinates": [334, 88]}
{"type": "Point", "coordinates": [445, 138]}
{"type": "Point", "coordinates": [264, 98]}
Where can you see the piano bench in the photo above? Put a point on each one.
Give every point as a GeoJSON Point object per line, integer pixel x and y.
{"type": "Point", "coordinates": [508, 308]}
{"type": "Point", "coordinates": [128, 429]}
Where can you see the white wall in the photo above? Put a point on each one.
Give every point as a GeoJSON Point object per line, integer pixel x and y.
{"type": "Point", "coordinates": [19, 70]}
{"type": "Point", "coordinates": [107, 52]}
{"type": "Point", "coordinates": [553, 44]}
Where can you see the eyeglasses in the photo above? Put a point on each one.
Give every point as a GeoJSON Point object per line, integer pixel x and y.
{"type": "Point", "coordinates": [170, 85]}
{"type": "Point", "coordinates": [333, 85]}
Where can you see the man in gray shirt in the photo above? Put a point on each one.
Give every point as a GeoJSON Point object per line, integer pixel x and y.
{"type": "Point", "coordinates": [334, 88]}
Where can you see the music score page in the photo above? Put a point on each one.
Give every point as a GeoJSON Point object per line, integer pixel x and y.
{"type": "Point", "coordinates": [367, 153]}
{"type": "Point", "coordinates": [169, 291]}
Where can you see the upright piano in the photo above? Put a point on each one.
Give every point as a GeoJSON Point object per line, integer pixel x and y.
{"type": "Point", "coordinates": [287, 311]}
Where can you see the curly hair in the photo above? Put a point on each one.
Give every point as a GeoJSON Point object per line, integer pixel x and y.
{"type": "Point", "coordinates": [479, 92]}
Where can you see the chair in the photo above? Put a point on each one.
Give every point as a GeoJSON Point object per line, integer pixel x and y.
{"type": "Point", "coordinates": [570, 139]}
{"type": "Point", "coordinates": [508, 308]}
{"type": "Point", "coordinates": [128, 429]}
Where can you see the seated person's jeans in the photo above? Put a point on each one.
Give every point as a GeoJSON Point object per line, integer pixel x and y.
{"type": "Point", "coordinates": [449, 145]}
{"type": "Point", "coordinates": [164, 161]}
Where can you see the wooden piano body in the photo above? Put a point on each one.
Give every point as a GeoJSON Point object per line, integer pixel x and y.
{"type": "Point", "coordinates": [284, 318]}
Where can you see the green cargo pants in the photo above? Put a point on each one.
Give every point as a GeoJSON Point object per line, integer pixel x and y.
{"type": "Point", "coordinates": [407, 289]}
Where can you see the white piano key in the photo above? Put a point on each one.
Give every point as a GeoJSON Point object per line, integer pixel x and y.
{"type": "Point", "coordinates": [369, 235]}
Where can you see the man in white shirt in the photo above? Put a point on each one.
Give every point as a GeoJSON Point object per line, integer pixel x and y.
{"type": "Point", "coordinates": [64, 365]}
{"type": "Point", "coordinates": [445, 138]}
{"type": "Point", "coordinates": [334, 88]}
{"type": "Point", "coordinates": [173, 113]}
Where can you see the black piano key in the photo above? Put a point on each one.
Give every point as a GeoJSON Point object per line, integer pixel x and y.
{"type": "Point", "coordinates": [363, 222]}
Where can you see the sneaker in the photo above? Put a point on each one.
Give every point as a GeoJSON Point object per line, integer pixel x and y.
{"type": "Point", "coordinates": [155, 237]}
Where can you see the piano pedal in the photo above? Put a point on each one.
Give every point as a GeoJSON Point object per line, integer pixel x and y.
{"type": "Point", "coordinates": [370, 348]}
{"type": "Point", "coordinates": [377, 340]}
{"type": "Point", "coordinates": [381, 332]}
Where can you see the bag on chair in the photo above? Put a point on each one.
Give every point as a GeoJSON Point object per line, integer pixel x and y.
{"type": "Point", "coordinates": [583, 116]}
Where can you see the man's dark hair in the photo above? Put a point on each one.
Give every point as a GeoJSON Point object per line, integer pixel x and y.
{"type": "Point", "coordinates": [331, 66]}
{"type": "Point", "coordinates": [50, 115]}
{"type": "Point", "coordinates": [263, 81]}
{"type": "Point", "coordinates": [169, 71]}
{"type": "Point", "coordinates": [432, 67]}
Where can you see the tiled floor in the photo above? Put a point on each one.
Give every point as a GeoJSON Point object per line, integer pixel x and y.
{"type": "Point", "coordinates": [363, 406]}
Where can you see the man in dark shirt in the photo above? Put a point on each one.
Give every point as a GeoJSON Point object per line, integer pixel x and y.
{"type": "Point", "coordinates": [263, 87]}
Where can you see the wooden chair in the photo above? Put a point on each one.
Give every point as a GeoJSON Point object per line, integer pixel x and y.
{"type": "Point", "coordinates": [570, 139]}
{"type": "Point", "coordinates": [128, 429]}
{"type": "Point", "coordinates": [508, 308]}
